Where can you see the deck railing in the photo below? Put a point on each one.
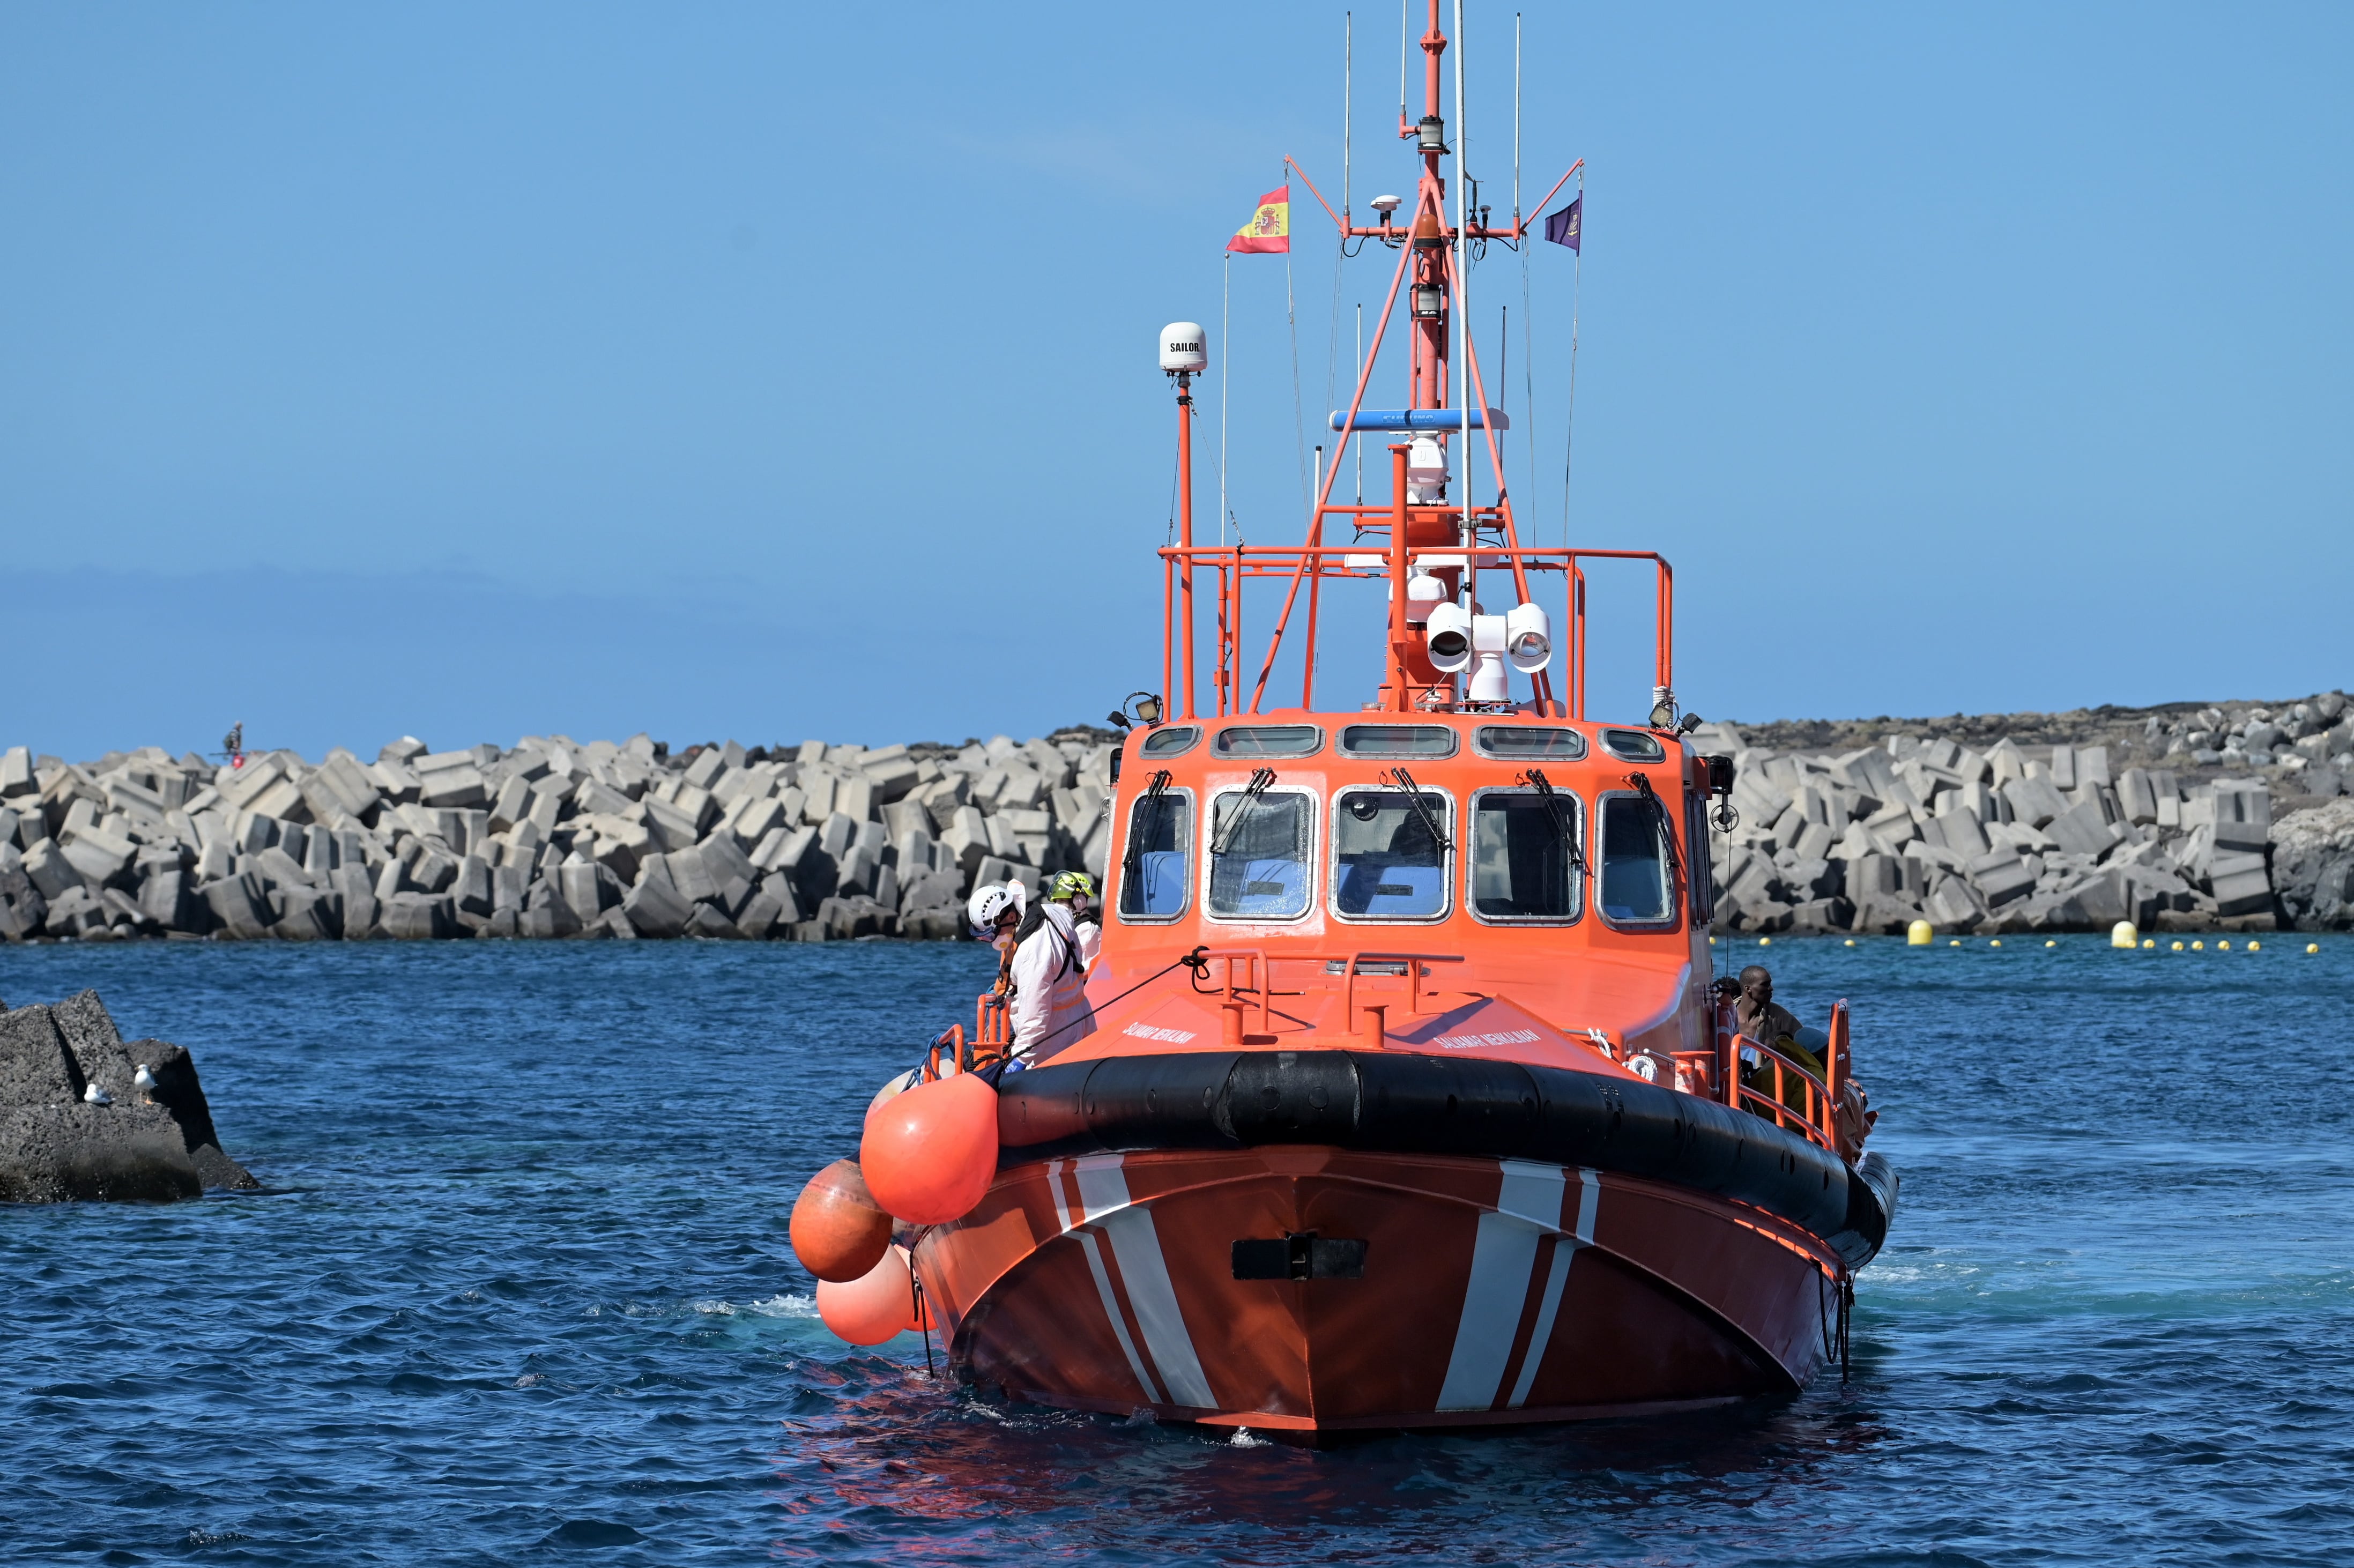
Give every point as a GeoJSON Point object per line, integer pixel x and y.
{"type": "Point", "coordinates": [1250, 972]}
{"type": "Point", "coordinates": [1785, 1092]}
{"type": "Point", "coordinates": [991, 1039]}
{"type": "Point", "coordinates": [1233, 691]}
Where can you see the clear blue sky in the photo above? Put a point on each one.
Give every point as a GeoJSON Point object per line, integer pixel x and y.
{"type": "Point", "coordinates": [779, 371]}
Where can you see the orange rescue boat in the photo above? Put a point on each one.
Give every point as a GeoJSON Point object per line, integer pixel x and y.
{"type": "Point", "coordinates": [1408, 1102]}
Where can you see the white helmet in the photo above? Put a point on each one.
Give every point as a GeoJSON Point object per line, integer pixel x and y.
{"type": "Point", "coordinates": [992, 900]}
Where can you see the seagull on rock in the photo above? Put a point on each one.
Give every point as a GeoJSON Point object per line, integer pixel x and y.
{"type": "Point", "coordinates": [97, 1096]}
{"type": "Point", "coordinates": [144, 1079]}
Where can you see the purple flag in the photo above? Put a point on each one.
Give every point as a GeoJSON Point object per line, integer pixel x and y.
{"type": "Point", "coordinates": [1562, 226]}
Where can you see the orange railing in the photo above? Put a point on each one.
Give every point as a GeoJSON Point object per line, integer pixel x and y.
{"type": "Point", "coordinates": [1248, 972]}
{"type": "Point", "coordinates": [991, 1039]}
{"type": "Point", "coordinates": [1233, 565]}
{"type": "Point", "coordinates": [1786, 1093]}
{"type": "Point", "coordinates": [1251, 971]}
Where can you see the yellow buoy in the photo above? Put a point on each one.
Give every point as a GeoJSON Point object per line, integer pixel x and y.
{"type": "Point", "coordinates": [1850, 941]}
{"type": "Point", "coordinates": [1995, 942]}
{"type": "Point", "coordinates": [2177, 944]}
{"type": "Point", "coordinates": [2050, 942]}
{"type": "Point", "coordinates": [1711, 941]}
{"type": "Point", "coordinates": [2255, 947]}
{"type": "Point", "coordinates": [2124, 935]}
{"type": "Point", "coordinates": [1764, 942]}
{"type": "Point", "coordinates": [2313, 946]}
{"type": "Point", "coordinates": [1955, 943]}
{"type": "Point", "coordinates": [1920, 934]}
{"type": "Point", "coordinates": [2198, 946]}
{"type": "Point", "coordinates": [2222, 946]}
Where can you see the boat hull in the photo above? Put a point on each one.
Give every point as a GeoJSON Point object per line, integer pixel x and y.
{"type": "Point", "coordinates": [1484, 1290]}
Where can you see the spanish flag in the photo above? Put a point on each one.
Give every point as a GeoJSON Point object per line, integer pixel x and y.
{"type": "Point", "coordinates": [1269, 228]}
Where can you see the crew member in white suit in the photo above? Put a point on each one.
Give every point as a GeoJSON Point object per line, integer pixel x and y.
{"type": "Point", "coordinates": [1050, 972]}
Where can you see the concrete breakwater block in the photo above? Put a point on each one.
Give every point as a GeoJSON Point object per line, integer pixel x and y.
{"type": "Point", "coordinates": [2190, 819]}
{"type": "Point", "coordinates": [2175, 823]}
{"type": "Point", "coordinates": [77, 1121]}
{"type": "Point", "coordinates": [549, 838]}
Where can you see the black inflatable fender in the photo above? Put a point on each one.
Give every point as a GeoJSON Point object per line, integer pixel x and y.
{"type": "Point", "coordinates": [1410, 1102]}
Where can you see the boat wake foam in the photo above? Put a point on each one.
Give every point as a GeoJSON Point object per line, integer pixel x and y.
{"type": "Point", "coordinates": [778, 1306]}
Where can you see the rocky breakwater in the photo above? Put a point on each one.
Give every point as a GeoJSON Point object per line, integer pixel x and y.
{"type": "Point", "coordinates": [547, 838]}
{"type": "Point", "coordinates": [83, 1114]}
{"type": "Point", "coordinates": [2185, 818]}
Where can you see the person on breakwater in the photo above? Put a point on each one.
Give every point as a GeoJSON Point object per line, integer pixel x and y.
{"type": "Point", "coordinates": [1050, 996]}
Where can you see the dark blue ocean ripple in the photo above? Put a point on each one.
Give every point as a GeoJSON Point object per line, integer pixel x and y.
{"type": "Point", "coordinates": [519, 1292]}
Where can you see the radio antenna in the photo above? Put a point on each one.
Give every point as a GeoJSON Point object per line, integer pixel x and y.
{"type": "Point", "coordinates": [1528, 327]}
{"type": "Point", "coordinates": [1405, 28]}
{"type": "Point", "coordinates": [1463, 278]}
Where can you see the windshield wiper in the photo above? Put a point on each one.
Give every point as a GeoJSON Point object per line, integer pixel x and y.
{"type": "Point", "coordinates": [1259, 779]}
{"type": "Point", "coordinates": [1156, 797]}
{"type": "Point", "coordinates": [1422, 808]}
{"type": "Point", "coordinates": [1643, 782]}
{"type": "Point", "coordinates": [1553, 809]}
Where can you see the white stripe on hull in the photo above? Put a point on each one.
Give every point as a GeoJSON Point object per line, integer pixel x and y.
{"type": "Point", "coordinates": [1094, 1254]}
{"type": "Point", "coordinates": [1564, 1248]}
{"type": "Point", "coordinates": [1504, 1262]}
{"type": "Point", "coordinates": [1528, 1205]}
{"type": "Point", "coordinates": [1105, 1206]}
{"type": "Point", "coordinates": [1118, 1323]}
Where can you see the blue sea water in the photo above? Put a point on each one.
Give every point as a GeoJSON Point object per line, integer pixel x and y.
{"type": "Point", "coordinates": [519, 1291]}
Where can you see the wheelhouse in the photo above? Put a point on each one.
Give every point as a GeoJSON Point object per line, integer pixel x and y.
{"type": "Point", "coordinates": [1296, 822]}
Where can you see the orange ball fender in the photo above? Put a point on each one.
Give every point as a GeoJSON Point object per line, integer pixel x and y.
{"type": "Point", "coordinates": [874, 1306]}
{"type": "Point", "coordinates": [929, 1154]}
{"type": "Point", "coordinates": [839, 1231]}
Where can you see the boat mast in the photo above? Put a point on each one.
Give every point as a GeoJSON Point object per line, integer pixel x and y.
{"type": "Point", "coordinates": [1432, 272]}
{"type": "Point", "coordinates": [1428, 388]}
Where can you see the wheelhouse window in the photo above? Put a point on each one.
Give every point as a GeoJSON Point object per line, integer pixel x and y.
{"type": "Point", "coordinates": [1397, 740]}
{"type": "Point", "coordinates": [1638, 881]}
{"type": "Point", "coordinates": [1528, 743]}
{"type": "Point", "coordinates": [1268, 740]}
{"type": "Point", "coordinates": [1259, 843]}
{"type": "Point", "coordinates": [1701, 885]}
{"type": "Point", "coordinates": [1389, 854]}
{"type": "Point", "coordinates": [1171, 741]}
{"type": "Point", "coordinates": [1634, 745]}
{"type": "Point", "coordinates": [1525, 856]}
{"type": "Point", "coordinates": [1155, 872]}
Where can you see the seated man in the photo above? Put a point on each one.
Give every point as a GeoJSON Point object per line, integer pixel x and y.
{"type": "Point", "coordinates": [1760, 1018]}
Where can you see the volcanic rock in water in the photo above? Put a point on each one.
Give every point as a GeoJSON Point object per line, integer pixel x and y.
{"type": "Point", "coordinates": [2313, 865]}
{"type": "Point", "coordinates": [57, 1145]}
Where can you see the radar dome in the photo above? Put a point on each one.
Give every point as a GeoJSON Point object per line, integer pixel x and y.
{"type": "Point", "coordinates": [1184, 346]}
